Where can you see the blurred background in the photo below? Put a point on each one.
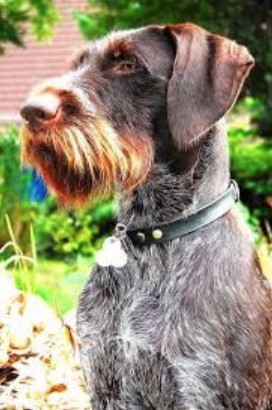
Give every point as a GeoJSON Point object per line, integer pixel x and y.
{"type": "Point", "coordinates": [36, 39]}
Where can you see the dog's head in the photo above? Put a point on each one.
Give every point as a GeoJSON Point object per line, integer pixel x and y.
{"type": "Point", "coordinates": [126, 98]}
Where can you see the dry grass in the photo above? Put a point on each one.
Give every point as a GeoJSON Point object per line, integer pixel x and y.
{"type": "Point", "coordinates": [39, 365]}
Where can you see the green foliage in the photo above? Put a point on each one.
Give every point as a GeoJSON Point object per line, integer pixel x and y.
{"type": "Point", "coordinates": [41, 14]}
{"type": "Point", "coordinates": [247, 21]}
{"type": "Point", "coordinates": [251, 155]}
{"type": "Point", "coordinates": [71, 234]}
{"type": "Point", "coordinates": [12, 184]}
{"type": "Point", "coordinates": [251, 161]}
{"type": "Point", "coordinates": [106, 15]}
{"type": "Point", "coordinates": [252, 221]}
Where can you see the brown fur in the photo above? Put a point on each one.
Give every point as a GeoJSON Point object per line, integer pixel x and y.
{"type": "Point", "coordinates": [88, 158]}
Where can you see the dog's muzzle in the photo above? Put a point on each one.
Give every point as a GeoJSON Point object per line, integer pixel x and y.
{"type": "Point", "coordinates": [81, 155]}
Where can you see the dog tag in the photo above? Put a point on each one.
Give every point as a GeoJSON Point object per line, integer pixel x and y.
{"type": "Point", "coordinates": [112, 253]}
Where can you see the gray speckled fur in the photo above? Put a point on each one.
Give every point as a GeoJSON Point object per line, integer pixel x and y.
{"type": "Point", "coordinates": [185, 325]}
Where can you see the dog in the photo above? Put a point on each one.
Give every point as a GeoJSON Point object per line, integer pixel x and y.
{"type": "Point", "coordinates": [182, 323]}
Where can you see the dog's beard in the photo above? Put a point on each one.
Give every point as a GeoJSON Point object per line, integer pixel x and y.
{"type": "Point", "coordinates": [88, 159]}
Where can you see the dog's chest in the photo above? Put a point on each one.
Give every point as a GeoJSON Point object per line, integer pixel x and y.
{"type": "Point", "coordinates": [120, 327]}
{"type": "Point", "coordinates": [124, 312]}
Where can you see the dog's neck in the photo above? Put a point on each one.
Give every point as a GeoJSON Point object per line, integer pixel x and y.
{"type": "Point", "coordinates": [167, 195]}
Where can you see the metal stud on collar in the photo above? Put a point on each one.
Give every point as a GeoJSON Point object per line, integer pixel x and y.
{"type": "Point", "coordinates": [157, 234]}
{"type": "Point", "coordinates": [140, 237]}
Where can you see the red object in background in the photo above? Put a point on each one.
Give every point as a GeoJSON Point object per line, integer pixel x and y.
{"type": "Point", "coordinates": [22, 68]}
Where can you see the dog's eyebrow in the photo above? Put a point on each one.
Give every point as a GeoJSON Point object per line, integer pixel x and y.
{"type": "Point", "coordinates": [79, 57]}
{"type": "Point", "coordinates": [119, 46]}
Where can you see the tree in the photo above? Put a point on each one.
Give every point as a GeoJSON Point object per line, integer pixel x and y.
{"type": "Point", "coordinates": [14, 14]}
{"type": "Point", "coordinates": [247, 21]}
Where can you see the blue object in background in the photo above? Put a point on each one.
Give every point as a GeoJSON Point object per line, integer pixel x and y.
{"type": "Point", "coordinates": [35, 188]}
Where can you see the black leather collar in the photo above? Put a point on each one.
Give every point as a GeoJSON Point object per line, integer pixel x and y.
{"type": "Point", "coordinates": [181, 227]}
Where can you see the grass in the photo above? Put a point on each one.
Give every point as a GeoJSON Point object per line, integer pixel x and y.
{"type": "Point", "coordinates": [57, 282]}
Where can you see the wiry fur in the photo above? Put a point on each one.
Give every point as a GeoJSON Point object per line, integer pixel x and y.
{"type": "Point", "coordinates": [88, 157]}
{"type": "Point", "coordinates": [186, 324]}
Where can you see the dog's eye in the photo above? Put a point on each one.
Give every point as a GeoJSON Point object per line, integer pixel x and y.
{"type": "Point", "coordinates": [125, 66]}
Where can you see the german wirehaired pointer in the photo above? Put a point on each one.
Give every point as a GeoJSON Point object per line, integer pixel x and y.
{"type": "Point", "coordinates": [176, 315]}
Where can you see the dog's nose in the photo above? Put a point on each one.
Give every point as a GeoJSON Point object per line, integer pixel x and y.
{"type": "Point", "coordinates": [40, 109]}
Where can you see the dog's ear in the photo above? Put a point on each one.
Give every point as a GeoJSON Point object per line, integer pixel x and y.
{"type": "Point", "coordinates": [208, 73]}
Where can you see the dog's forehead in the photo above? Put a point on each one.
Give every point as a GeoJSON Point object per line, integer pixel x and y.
{"type": "Point", "coordinates": [149, 43]}
{"type": "Point", "coordinates": [110, 44]}
{"type": "Point", "coordinates": [116, 42]}
{"type": "Point", "coordinates": [117, 38]}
